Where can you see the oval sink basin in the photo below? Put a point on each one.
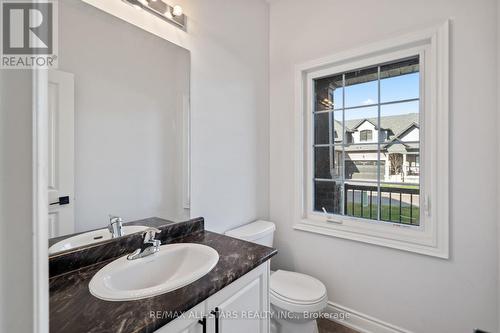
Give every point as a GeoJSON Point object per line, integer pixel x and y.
{"type": "Point", "coordinates": [173, 267]}
{"type": "Point", "coordinates": [91, 237]}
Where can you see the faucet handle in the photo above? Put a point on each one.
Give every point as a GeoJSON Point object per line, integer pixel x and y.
{"type": "Point", "coordinates": [150, 234]}
{"type": "Point", "coordinates": [149, 246]}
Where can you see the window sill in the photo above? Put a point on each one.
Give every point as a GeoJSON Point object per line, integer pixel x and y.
{"type": "Point", "coordinates": [357, 234]}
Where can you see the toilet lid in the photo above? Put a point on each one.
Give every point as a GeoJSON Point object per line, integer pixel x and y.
{"type": "Point", "coordinates": [296, 287]}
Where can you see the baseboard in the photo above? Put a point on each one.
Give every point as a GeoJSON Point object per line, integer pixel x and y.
{"type": "Point", "coordinates": [360, 321]}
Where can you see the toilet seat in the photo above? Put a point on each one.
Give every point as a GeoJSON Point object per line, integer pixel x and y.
{"type": "Point", "coordinates": [296, 292]}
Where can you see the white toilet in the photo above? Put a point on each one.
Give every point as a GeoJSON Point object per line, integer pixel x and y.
{"type": "Point", "coordinates": [296, 299]}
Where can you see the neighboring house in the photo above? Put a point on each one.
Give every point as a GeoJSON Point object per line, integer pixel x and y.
{"type": "Point", "coordinates": [399, 148]}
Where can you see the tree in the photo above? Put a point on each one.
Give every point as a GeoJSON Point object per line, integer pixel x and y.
{"type": "Point", "coordinates": [396, 163]}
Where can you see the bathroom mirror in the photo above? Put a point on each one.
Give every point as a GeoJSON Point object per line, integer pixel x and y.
{"type": "Point", "coordinates": [118, 130]}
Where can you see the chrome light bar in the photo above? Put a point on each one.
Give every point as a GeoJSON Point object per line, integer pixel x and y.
{"type": "Point", "coordinates": [171, 14]}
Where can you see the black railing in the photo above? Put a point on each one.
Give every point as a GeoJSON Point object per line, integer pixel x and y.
{"type": "Point", "coordinates": [397, 204]}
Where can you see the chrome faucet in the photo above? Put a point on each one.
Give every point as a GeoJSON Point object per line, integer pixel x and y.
{"type": "Point", "coordinates": [115, 226]}
{"type": "Point", "coordinates": [149, 245]}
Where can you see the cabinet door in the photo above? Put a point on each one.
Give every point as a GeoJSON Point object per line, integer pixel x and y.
{"type": "Point", "coordinates": [195, 327]}
{"type": "Point", "coordinates": [181, 325]}
{"type": "Point", "coordinates": [187, 324]}
{"type": "Point", "coordinates": [243, 306]}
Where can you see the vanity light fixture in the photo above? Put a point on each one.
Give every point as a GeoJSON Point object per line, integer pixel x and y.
{"type": "Point", "coordinates": [177, 10]}
{"type": "Point", "coordinates": [172, 14]}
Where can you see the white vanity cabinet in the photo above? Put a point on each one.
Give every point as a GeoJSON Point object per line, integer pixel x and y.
{"type": "Point", "coordinates": [188, 324]}
{"type": "Point", "coordinates": [243, 307]}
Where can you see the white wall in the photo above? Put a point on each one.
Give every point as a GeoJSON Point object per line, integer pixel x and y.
{"type": "Point", "coordinates": [129, 90]}
{"type": "Point", "coordinates": [229, 44]}
{"type": "Point", "coordinates": [416, 292]}
{"type": "Point", "coordinates": [15, 201]}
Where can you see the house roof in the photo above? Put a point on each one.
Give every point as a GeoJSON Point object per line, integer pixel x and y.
{"type": "Point", "coordinates": [396, 125]}
{"type": "Point", "coordinates": [372, 121]}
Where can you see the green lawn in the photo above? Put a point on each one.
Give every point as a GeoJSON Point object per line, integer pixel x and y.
{"type": "Point", "coordinates": [394, 213]}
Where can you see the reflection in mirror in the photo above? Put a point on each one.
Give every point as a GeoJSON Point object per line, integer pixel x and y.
{"type": "Point", "coordinates": [118, 130]}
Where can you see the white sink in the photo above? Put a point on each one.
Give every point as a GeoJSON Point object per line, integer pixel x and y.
{"type": "Point", "coordinates": [91, 237]}
{"type": "Point", "coordinates": [173, 267]}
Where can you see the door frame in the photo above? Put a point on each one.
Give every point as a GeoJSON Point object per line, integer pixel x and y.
{"type": "Point", "coordinates": [40, 201]}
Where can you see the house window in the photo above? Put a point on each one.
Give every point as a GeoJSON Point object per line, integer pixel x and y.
{"type": "Point", "coordinates": [372, 144]}
{"type": "Point", "coordinates": [362, 178]}
{"type": "Point", "coordinates": [366, 135]}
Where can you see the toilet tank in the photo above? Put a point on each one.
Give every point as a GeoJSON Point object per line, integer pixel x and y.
{"type": "Point", "coordinates": [260, 232]}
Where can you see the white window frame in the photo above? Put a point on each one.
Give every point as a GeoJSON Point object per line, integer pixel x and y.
{"type": "Point", "coordinates": [431, 237]}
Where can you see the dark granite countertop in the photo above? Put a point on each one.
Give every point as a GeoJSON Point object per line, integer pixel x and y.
{"type": "Point", "coordinates": [73, 309]}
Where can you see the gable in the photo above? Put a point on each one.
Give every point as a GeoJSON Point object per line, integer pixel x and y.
{"type": "Point", "coordinates": [365, 125]}
{"type": "Point", "coordinates": [411, 134]}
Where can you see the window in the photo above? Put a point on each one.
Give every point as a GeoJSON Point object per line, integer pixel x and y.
{"type": "Point", "coordinates": [366, 135]}
{"type": "Point", "coordinates": [374, 149]}
{"type": "Point", "coordinates": [378, 182]}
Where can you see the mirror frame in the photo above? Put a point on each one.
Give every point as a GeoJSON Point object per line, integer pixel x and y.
{"type": "Point", "coordinates": [40, 221]}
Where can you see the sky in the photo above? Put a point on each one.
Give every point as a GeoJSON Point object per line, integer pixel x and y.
{"type": "Point", "coordinates": [391, 89]}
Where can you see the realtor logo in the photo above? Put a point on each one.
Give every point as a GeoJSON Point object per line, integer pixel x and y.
{"type": "Point", "coordinates": [28, 34]}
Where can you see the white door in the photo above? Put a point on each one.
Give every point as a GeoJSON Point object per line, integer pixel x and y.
{"type": "Point", "coordinates": [61, 153]}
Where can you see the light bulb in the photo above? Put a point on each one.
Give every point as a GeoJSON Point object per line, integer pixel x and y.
{"type": "Point", "coordinates": [177, 10]}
